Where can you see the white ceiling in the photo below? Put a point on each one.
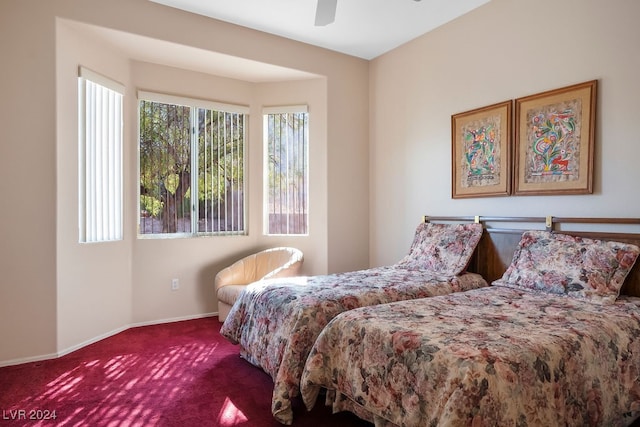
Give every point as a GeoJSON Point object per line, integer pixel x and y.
{"type": "Point", "coordinates": [362, 28]}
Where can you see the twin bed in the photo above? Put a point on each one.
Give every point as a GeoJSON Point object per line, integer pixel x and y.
{"type": "Point", "coordinates": [277, 321]}
{"type": "Point", "coordinates": [547, 343]}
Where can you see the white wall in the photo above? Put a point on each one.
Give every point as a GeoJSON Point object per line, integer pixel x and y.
{"type": "Point", "coordinates": [196, 261]}
{"type": "Point", "coordinates": [27, 180]}
{"type": "Point", "coordinates": [503, 50]}
{"type": "Point", "coordinates": [56, 294]}
{"type": "Point", "coordinates": [93, 280]}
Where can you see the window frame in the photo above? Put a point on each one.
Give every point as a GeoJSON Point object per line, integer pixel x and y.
{"type": "Point", "coordinates": [194, 104]}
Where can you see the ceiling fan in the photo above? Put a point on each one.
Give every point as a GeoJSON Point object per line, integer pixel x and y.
{"type": "Point", "coordinates": [326, 12]}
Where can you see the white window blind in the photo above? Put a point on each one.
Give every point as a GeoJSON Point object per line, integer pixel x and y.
{"type": "Point", "coordinates": [100, 157]}
{"type": "Point", "coordinates": [286, 133]}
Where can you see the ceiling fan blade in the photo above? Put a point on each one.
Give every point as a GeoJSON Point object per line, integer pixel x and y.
{"type": "Point", "coordinates": [325, 12]}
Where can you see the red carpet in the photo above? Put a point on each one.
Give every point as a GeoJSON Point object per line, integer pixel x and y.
{"type": "Point", "coordinates": [177, 374]}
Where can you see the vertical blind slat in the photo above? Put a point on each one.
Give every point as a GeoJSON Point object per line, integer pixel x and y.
{"type": "Point", "coordinates": [287, 168]}
{"type": "Point", "coordinates": [102, 180]}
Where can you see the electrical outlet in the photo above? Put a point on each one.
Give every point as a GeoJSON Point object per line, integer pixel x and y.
{"type": "Point", "coordinates": [175, 284]}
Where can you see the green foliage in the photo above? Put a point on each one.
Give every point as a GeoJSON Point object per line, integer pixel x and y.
{"type": "Point", "coordinates": [165, 157]}
{"type": "Point", "coordinates": [150, 205]}
{"type": "Point", "coordinates": [287, 139]}
{"type": "Point", "coordinates": [220, 154]}
{"type": "Point", "coordinates": [171, 182]}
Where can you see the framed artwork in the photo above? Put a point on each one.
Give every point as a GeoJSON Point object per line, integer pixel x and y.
{"type": "Point", "coordinates": [554, 141]}
{"type": "Point", "coordinates": [481, 151]}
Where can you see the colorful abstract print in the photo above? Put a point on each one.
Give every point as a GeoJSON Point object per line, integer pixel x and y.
{"type": "Point", "coordinates": [495, 356]}
{"type": "Point", "coordinates": [554, 140]}
{"type": "Point", "coordinates": [481, 153]}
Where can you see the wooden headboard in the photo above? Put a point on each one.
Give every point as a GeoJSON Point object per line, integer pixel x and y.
{"type": "Point", "coordinates": [495, 250]}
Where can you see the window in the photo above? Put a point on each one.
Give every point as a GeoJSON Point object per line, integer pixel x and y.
{"type": "Point", "coordinates": [191, 166]}
{"type": "Point", "coordinates": [100, 157]}
{"type": "Point", "coordinates": [286, 133]}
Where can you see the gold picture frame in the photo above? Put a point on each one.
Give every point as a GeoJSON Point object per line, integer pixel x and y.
{"type": "Point", "coordinates": [481, 151]}
{"type": "Point", "coordinates": [554, 141]}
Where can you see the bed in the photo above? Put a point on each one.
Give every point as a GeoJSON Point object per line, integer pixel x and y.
{"type": "Point", "coordinates": [549, 343]}
{"type": "Point", "coordinates": [276, 321]}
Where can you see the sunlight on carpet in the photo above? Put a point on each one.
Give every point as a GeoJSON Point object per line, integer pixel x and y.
{"type": "Point", "coordinates": [230, 415]}
{"type": "Point", "coordinates": [97, 387]}
{"type": "Point", "coordinates": [180, 374]}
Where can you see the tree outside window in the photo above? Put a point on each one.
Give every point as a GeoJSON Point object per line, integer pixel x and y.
{"type": "Point", "coordinates": [286, 132]}
{"type": "Point", "coordinates": [191, 169]}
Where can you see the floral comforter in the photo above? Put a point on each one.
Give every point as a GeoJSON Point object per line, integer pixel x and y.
{"type": "Point", "coordinates": [489, 357]}
{"type": "Point", "coordinates": [277, 321]}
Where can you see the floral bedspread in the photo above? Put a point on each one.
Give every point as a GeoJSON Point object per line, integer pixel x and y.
{"type": "Point", "coordinates": [488, 357]}
{"type": "Point", "coordinates": [277, 321]}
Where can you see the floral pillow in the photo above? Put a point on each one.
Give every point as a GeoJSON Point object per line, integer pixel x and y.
{"type": "Point", "coordinates": [566, 265]}
{"type": "Point", "coordinates": [442, 249]}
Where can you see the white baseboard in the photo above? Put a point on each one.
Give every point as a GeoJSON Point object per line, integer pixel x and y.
{"type": "Point", "coordinates": [22, 360]}
{"type": "Point", "coordinates": [173, 319]}
{"type": "Point", "coordinates": [91, 341]}
{"type": "Point", "coordinates": [73, 348]}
